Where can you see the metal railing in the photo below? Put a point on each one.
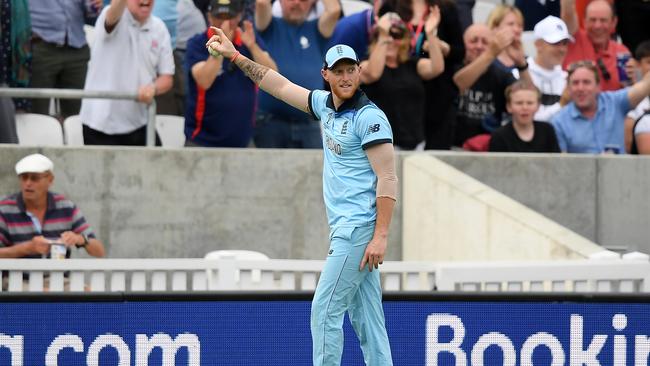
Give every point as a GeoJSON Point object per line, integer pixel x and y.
{"type": "Point", "coordinates": [180, 274]}
{"type": "Point", "coordinates": [81, 94]}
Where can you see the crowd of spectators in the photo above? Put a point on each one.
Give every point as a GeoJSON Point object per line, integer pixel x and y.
{"type": "Point", "coordinates": [444, 81]}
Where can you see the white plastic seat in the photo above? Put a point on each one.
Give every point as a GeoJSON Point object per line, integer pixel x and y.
{"type": "Point", "coordinates": [256, 275]}
{"type": "Point", "coordinates": [171, 130]}
{"type": "Point", "coordinates": [73, 131]}
{"type": "Point", "coordinates": [38, 130]}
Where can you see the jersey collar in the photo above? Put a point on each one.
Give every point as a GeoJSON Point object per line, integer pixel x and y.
{"type": "Point", "coordinates": [348, 104]}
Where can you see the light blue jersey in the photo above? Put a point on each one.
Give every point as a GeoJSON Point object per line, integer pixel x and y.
{"type": "Point", "coordinates": [349, 183]}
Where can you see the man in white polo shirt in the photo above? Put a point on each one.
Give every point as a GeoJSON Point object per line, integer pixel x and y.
{"type": "Point", "coordinates": [131, 53]}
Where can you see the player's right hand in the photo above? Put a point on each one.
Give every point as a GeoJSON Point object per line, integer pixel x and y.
{"type": "Point", "coordinates": [220, 43]}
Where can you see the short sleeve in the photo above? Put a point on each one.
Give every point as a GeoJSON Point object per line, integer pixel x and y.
{"type": "Point", "coordinates": [79, 224]}
{"type": "Point", "coordinates": [4, 232]}
{"type": "Point", "coordinates": [166, 58]}
{"type": "Point", "coordinates": [372, 127]}
{"type": "Point", "coordinates": [643, 126]}
{"type": "Point", "coordinates": [317, 101]}
{"type": "Point", "coordinates": [622, 100]}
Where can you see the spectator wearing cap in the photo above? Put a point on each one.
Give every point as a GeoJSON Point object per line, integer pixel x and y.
{"type": "Point", "coordinates": [394, 80]}
{"type": "Point", "coordinates": [33, 218]}
{"type": "Point", "coordinates": [132, 53]}
{"type": "Point", "coordinates": [59, 50]}
{"type": "Point", "coordinates": [593, 122]}
{"type": "Point", "coordinates": [297, 45]}
{"type": "Point", "coordinates": [551, 41]}
{"type": "Point", "coordinates": [594, 42]}
{"type": "Point", "coordinates": [215, 116]}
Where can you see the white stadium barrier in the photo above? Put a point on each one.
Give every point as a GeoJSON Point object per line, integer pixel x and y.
{"type": "Point", "coordinates": [154, 275]}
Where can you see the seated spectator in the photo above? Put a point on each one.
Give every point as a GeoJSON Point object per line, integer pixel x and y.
{"type": "Point", "coordinates": [507, 17]}
{"type": "Point", "coordinates": [551, 41]}
{"type": "Point", "coordinates": [297, 45]}
{"type": "Point", "coordinates": [131, 53]}
{"type": "Point", "coordinates": [482, 83]}
{"type": "Point", "coordinates": [594, 42]}
{"type": "Point", "coordinates": [215, 116]}
{"type": "Point", "coordinates": [59, 50]}
{"type": "Point", "coordinates": [637, 122]}
{"type": "Point", "coordinates": [593, 122]}
{"type": "Point", "coordinates": [32, 219]}
{"type": "Point", "coordinates": [524, 134]}
{"type": "Point", "coordinates": [394, 79]}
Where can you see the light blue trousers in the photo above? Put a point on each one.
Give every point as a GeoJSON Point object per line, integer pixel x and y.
{"type": "Point", "coordinates": [342, 287]}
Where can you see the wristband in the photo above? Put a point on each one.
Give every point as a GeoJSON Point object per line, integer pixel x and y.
{"type": "Point", "coordinates": [234, 56]}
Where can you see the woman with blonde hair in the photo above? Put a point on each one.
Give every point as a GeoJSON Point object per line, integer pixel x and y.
{"type": "Point", "coordinates": [393, 79]}
{"type": "Point", "coordinates": [509, 21]}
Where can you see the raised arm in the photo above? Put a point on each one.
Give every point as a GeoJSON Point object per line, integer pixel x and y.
{"type": "Point", "coordinates": [330, 16]}
{"type": "Point", "coordinates": [429, 68]}
{"type": "Point", "coordinates": [259, 55]}
{"type": "Point", "coordinates": [467, 76]}
{"type": "Point", "coordinates": [263, 14]}
{"type": "Point", "coordinates": [373, 68]}
{"type": "Point", "coordinates": [268, 80]}
{"type": "Point", "coordinates": [638, 91]}
{"type": "Point", "coordinates": [113, 14]}
{"type": "Point", "coordinates": [382, 160]}
{"type": "Point", "coordinates": [569, 15]}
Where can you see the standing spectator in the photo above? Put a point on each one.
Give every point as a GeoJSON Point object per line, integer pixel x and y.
{"type": "Point", "coordinates": [524, 134]}
{"type": "Point", "coordinates": [297, 45]}
{"type": "Point", "coordinates": [536, 10]}
{"type": "Point", "coordinates": [551, 41]}
{"type": "Point", "coordinates": [355, 30]}
{"type": "Point", "coordinates": [482, 83]}
{"type": "Point", "coordinates": [59, 49]}
{"type": "Point", "coordinates": [441, 92]}
{"type": "Point", "coordinates": [394, 79]}
{"type": "Point", "coordinates": [131, 53]}
{"type": "Point", "coordinates": [594, 121]}
{"type": "Point", "coordinates": [594, 42]}
{"type": "Point", "coordinates": [637, 122]}
{"type": "Point", "coordinates": [633, 21]}
{"type": "Point", "coordinates": [191, 22]}
{"type": "Point", "coordinates": [215, 116]}
{"type": "Point", "coordinates": [507, 17]}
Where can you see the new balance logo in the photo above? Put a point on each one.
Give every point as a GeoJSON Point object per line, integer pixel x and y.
{"type": "Point", "coordinates": [374, 128]}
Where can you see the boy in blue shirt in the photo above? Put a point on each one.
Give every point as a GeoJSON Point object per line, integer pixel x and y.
{"type": "Point", "coordinates": [359, 189]}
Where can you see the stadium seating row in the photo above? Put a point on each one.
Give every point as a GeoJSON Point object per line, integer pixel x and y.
{"type": "Point", "coordinates": [43, 130]}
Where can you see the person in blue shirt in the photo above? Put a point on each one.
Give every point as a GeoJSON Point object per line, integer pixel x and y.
{"type": "Point", "coordinates": [214, 115]}
{"type": "Point", "coordinates": [297, 45]}
{"type": "Point", "coordinates": [359, 190]}
{"type": "Point", "coordinates": [593, 122]}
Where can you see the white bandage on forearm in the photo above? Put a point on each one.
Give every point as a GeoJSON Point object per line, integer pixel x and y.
{"type": "Point", "coordinates": [382, 160]}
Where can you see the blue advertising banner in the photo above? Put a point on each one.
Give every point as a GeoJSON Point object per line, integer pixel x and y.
{"type": "Point", "coordinates": [276, 332]}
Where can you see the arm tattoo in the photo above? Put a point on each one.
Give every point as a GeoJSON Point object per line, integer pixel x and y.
{"type": "Point", "coordinates": [251, 69]}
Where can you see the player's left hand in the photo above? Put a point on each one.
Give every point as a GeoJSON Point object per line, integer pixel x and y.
{"type": "Point", "coordinates": [374, 255]}
{"type": "Point", "coordinates": [248, 34]}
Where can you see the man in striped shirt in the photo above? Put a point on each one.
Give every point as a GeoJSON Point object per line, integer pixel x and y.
{"type": "Point", "coordinates": [35, 218]}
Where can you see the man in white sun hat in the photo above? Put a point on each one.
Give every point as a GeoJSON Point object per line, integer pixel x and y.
{"type": "Point", "coordinates": [34, 220]}
{"type": "Point", "coordinates": [359, 189]}
{"type": "Point", "coordinates": [551, 41]}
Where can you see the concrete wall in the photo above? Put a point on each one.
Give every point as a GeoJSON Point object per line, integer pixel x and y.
{"type": "Point", "coordinates": [603, 198]}
{"type": "Point", "coordinates": [184, 203]}
{"type": "Point", "coordinates": [450, 216]}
